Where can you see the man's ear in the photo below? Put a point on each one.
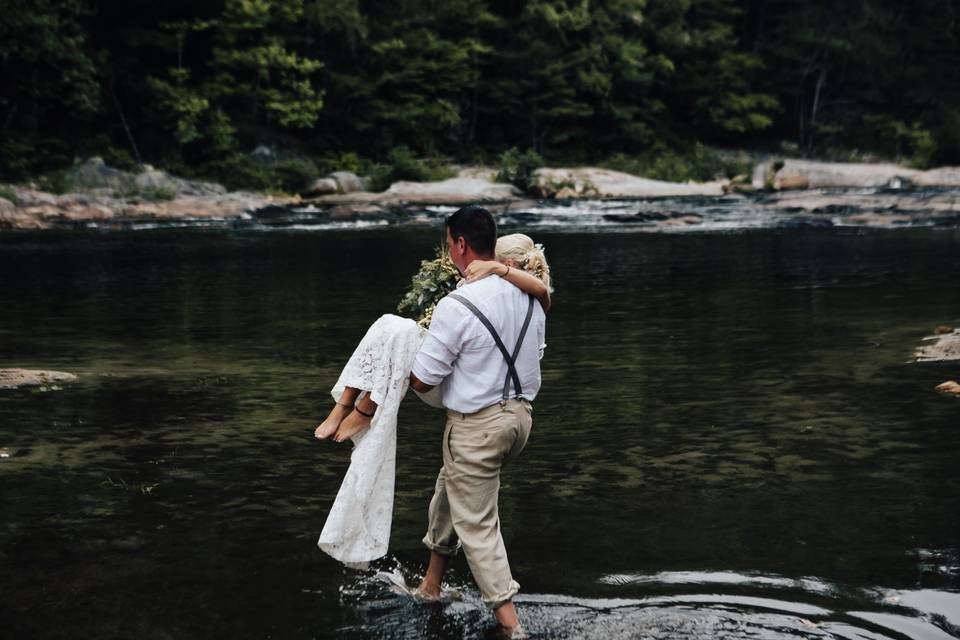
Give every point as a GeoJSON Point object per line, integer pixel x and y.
{"type": "Point", "coordinates": [461, 245]}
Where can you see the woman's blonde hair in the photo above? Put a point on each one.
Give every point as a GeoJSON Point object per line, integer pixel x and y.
{"type": "Point", "coordinates": [528, 255]}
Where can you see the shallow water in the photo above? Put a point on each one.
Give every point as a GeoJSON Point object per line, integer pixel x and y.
{"type": "Point", "coordinates": [730, 440]}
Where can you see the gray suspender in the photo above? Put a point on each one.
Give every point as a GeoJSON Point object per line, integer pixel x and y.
{"type": "Point", "coordinates": [511, 359]}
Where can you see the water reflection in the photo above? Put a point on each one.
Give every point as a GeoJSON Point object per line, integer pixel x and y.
{"type": "Point", "coordinates": [722, 417]}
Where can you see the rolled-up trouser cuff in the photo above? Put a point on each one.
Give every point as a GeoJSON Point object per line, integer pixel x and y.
{"type": "Point", "coordinates": [502, 598]}
{"type": "Point", "coordinates": [439, 548]}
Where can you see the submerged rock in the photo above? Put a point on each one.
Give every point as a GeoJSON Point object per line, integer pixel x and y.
{"type": "Point", "coordinates": [15, 378]}
{"type": "Point", "coordinates": [943, 347]}
{"type": "Point", "coordinates": [950, 387]}
{"type": "Point", "coordinates": [665, 218]}
{"type": "Point", "coordinates": [361, 211]}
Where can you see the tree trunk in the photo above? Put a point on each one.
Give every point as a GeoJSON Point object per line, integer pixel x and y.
{"type": "Point", "coordinates": [123, 119]}
{"type": "Point", "coordinates": [814, 109]}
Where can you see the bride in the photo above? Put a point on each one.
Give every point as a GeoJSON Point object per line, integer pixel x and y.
{"type": "Point", "coordinates": [367, 398]}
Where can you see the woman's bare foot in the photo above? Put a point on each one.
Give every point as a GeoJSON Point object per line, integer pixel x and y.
{"type": "Point", "coordinates": [358, 420]}
{"type": "Point", "coordinates": [329, 426]}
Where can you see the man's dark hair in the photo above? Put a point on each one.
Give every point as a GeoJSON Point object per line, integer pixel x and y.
{"type": "Point", "coordinates": [477, 226]}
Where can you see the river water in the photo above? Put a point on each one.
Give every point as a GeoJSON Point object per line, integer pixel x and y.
{"type": "Point", "coordinates": [730, 442]}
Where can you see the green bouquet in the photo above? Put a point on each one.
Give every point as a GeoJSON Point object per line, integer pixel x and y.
{"type": "Point", "coordinates": [436, 278]}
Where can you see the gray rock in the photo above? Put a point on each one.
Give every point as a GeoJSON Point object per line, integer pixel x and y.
{"type": "Point", "coordinates": [940, 348]}
{"type": "Point", "coordinates": [160, 182]}
{"type": "Point", "coordinates": [347, 182]}
{"type": "Point", "coordinates": [13, 378]}
{"type": "Point", "coordinates": [94, 174]}
{"type": "Point", "coordinates": [821, 175]}
{"type": "Point", "coordinates": [606, 183]}
{"type": "Point", "coordinates": [34, 198]}
{"type": "Point", "coordinates": [321, 187]}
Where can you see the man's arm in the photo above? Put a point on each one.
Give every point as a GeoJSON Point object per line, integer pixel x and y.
{"type": "Point", "coordinates": [418, 385]}
{"type": "Point", "coordinates": [434, 361]}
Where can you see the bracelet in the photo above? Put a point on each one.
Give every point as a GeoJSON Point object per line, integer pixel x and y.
{"type": "Point", "coordinates": [507, 272]}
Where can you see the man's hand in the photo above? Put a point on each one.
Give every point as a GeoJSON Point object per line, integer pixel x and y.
{"type": "Point", "coordinates": [418, 386]}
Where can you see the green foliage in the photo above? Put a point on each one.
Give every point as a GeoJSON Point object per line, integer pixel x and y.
{"type": "Point", "coordinates": [58, 181]}
{"type": "Point", "coordinates": [50, 81]}
{"type": "Point", "coordinates": [698, 164]}
{"type": "Point", "coordinates": [403, 165]}
{"type": "Point", "coordinates": [518, 168]}
{"type": "Point", "coordinates": [294, 174]}
{"type": "Point", "coordinates": [157, 194]}
{"type": "Point", "coordinates": [252, 77]}
{"type": "Point", "coordinates": [435, 279]}
{"type": "Point", "coordinates": [188, 86]}
{"type": "Point", "coordinates": [900, 139]}
{"type": "Point", "coordinates": [349, 161]}
{"type": "Point", "coordinates": [946, 131]}
{"type": "Point", "coordinates": [9, 194]}
{"type": "Point", "coordinates": [243, 171]}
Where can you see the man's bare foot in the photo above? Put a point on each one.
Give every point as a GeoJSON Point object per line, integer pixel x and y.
{"type": "Point", "coordinates": [506, 615]}
{"type": "Point", "coordinates": [358, 420]}
{"type": "Point", "coordinates": [427, 591]}
{"type": "Point", "coordinates": [512, 633]}
{"type": "Point", "coordinates": [329, 426]}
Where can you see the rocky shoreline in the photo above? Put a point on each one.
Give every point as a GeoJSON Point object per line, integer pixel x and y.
{"type": "Point", "coordinates": [864, 194]}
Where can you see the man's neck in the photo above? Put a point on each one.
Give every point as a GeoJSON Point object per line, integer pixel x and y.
{"type": "Point", "coordinates": [470, 255]}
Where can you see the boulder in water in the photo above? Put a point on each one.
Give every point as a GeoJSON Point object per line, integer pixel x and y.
{"type": "Point", "coordinates": [950, 387]}
{"type": "Point", "coordinates": [14, 378]}
{"type": "Point", "coordinates": [943, 347]}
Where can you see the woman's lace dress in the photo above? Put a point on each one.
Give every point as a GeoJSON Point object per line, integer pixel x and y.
{"type": "Point", "coordinates": [358, 527]}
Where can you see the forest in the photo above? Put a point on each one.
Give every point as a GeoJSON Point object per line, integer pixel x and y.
{"type": "Point", "coordinates": [196, 86]}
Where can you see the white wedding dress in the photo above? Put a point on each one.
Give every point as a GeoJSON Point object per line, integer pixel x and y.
{"type": "Point", "coordinates": [357, 529]}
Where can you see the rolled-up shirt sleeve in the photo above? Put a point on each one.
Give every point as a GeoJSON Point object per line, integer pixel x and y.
{"type": "Point", "coordinates": [434, 361]}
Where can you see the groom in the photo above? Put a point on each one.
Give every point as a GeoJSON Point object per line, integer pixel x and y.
{"type": "Point", "coordinates": [485, 343]}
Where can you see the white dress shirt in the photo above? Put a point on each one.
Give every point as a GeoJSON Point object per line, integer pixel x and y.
{"type": "Point", "coordinates": [460, 352]}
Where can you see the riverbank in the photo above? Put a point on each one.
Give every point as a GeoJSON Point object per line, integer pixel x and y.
{"type": "Point", "coordinates": [863, 194]}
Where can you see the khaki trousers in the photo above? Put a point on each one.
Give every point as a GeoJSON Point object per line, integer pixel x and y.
{"type": "Point", "coordinates": [463, 510]}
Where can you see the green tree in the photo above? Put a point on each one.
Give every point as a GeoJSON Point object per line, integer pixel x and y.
{"type": "Point", "coordinates": [251, 80]}
{"type": "Point", "coordinates": [571, 76]}
{"type": "Point", "coordinates": [710, 86]}
{"type": "Point", "coordinates": [50, 86]}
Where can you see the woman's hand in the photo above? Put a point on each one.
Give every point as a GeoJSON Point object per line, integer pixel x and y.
{"type": "Point", "coordinates": [482, 268]}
